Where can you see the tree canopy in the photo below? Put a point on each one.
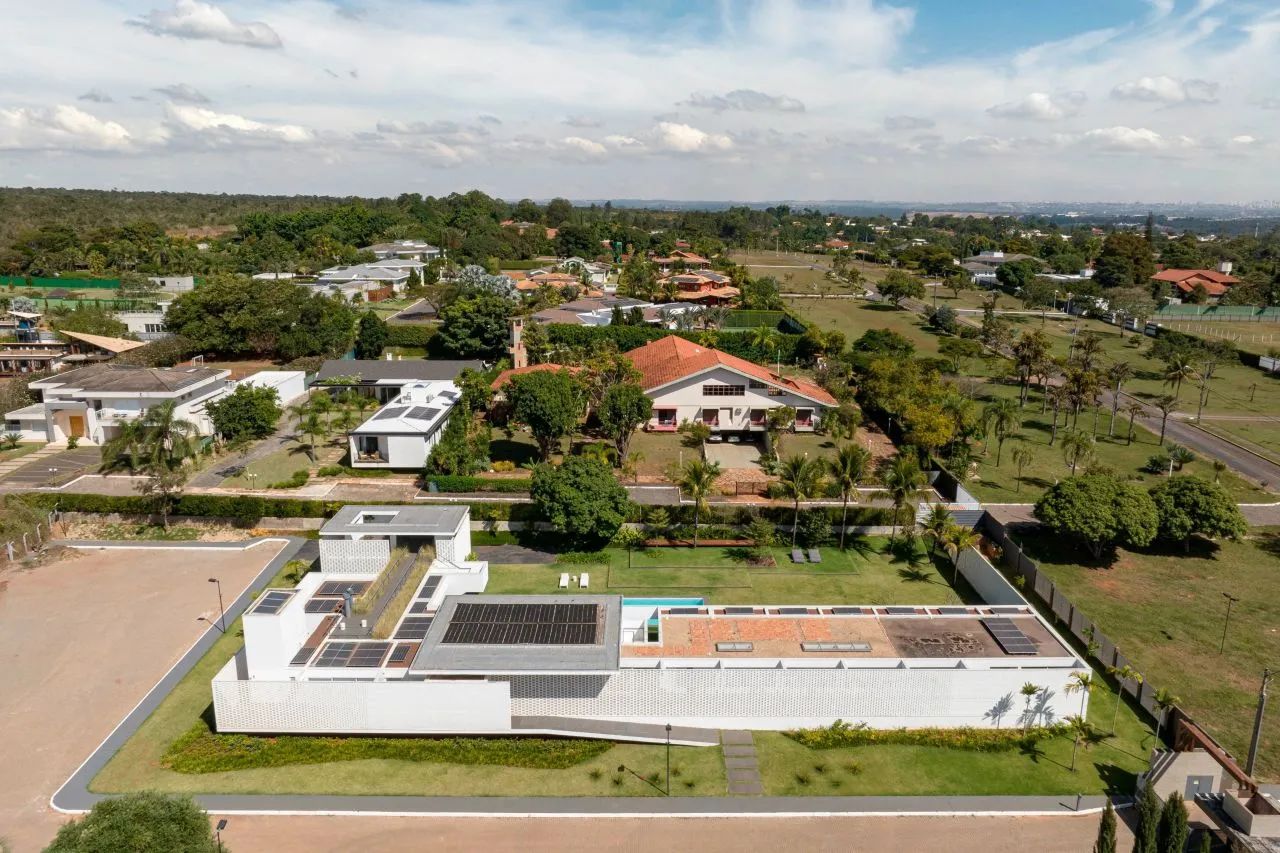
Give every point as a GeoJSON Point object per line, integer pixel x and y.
{"type": "Point", "coordinates": [623, 409]}
{"type": "Point", "coordinates": [371, 335]}
{"type": "Point", "coordinates": [1101, 510]}
{"type": "Point", "coordinates": [248, 412]}
{"type": "Point", "coordinates": [581, 498]}
{"type": "Point", "coordinates": [138, 823]}
{"type": "Point", "coordinates": [1191, 506]}
{"type": "Point", "coordinates": [476, 326]}
{"type": "Point", "coordinates": [549, 403]}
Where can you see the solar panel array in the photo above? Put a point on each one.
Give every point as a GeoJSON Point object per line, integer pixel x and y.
{"type": "Point", "coordinates": [1009, 636]}
{"type": "Point", "coordinates": [421, 413]}
{"type": "Point", "coordinates": [387, 414]}
{"type": "Point", "coordinates": [339, 587]}
{"type": "Point", "coordinates": [369, 654]}
{"type": "Point", "coordinates": [335, 654]}
{"type": "Point", "coordinates": [324, 605]}
{"type": "Point", "coordinates": [420, 606]}
{"type": "Point", "coordinates": [351, 654]}
{"type": "Point", "coordinates": [429, 588]}
{"type": "Point", "coordinates": [401, 653]}
{"type": "Point", "coordinates": [523, 624]}
{"type": "Point", "coordinates": [413, 628]}
{"type": "Point", "coordinates": [273, 601]}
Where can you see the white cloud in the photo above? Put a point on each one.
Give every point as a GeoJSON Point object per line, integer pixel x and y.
{"type": "Point", "coordinates": [1167, 90]}
{"type": "Point", "coordinates": [1121, 138]}
{"type": "Point", "coordinates": [1040, 106]}
{"type": "Point", "coordinates": [191, 19]}
{"type": "Point", "coordinates": [1244, 139]}
{"type": "Point", "coordinates": [745, 100]}
{"type": "Point", "coordinates": [97, 96]}
{"type": "Point", "coordinates": [582, 121]}
{"type": "Point", "coordinates": [182, 93]}
{"type": "Point", "coordinates": [905, 122]}
{"type": "Point", "coordinates": [685, 139]}
{"type": "Point", "coordinates": [585, 146]}
{"type": "Point", "coordinates": [222, 128]}
{"type": "Point", "coordinates": [618, 141]}
{"type": "Point", "coordinates": [60, 128]}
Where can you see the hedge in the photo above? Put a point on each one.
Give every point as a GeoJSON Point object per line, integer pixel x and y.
{"type": "Point", "coordinates": [410, 335]}
{"type": "Point", "coordinates": [841, 734]}
{"type": "Point", "coordinates": [453, 483]}
{"type": "Point", "coordinates": [243, 507]}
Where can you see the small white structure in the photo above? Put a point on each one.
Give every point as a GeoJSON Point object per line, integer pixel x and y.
{"type": "Point", "coordinates": [384, 379]}
{"type": "Point", "coordinates": [289, 385]}
{"type": "Point", "coordinates": [91, 403]}
{"type": "Point", "coordinates": [145, 325]}
{"type": "Point", "coordinates": [361, 278]}
{"type": "Point", "coordinates": [273, 276]}
{"type": "Point", "coordinates": [417, 250]}
{"type": "Point", "coordinates": [690, 382]}
{"type": "Point", "coordinates": [174, 283]}
{"type": "Point", "coordinates": [402, 433]}
{"type": "Point", "coordinates": [458, 662]}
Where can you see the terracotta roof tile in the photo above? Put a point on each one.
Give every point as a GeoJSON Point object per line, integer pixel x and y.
{"type": "Point", "coordinates": [667, 359]}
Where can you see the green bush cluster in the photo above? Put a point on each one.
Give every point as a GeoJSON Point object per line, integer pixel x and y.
{"type": "Point", "coordinates": [587, 558]}
{"type": "Point", "coordinates": [296, 480]}
{"type": "Point", "coordinates": [409, 335]}
{"type": "Point", "coordinates": [202, 751]}
{"type": "Point", "coordinates": [454, 483]}
{"type": "Point", "coordinates": [331, 471]}
{"type": "Point", "coordinates": [843, 734]}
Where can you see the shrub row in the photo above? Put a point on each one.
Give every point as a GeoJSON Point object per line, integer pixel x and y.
{"type": "Point", "coordinates": [202, 751]}
{"type": "Point", "coordinates": [842, 734]}
{"type": "Point", "coordinates": [410, 335]}
{"type": "Point", "coordinates": [740, 516]}
{"type": "Point", "coordinates": [454, 483]}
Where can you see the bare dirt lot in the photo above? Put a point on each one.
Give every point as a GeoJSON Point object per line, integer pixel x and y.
{"type": "Point", "coordinates": [533, 835]}
{"type": "Point", "coordinates": [82, 639]}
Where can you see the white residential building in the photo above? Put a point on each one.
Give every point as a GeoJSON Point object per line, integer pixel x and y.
{"type": "Point", "coordinates": [91, 403]}
{"type": "Point", "coordinates": [174, 283]}
{"type": "Point", "coordinates": [145, 325]}
{"type": "Point", "coordinates": [384, 379]}
{"type": "Point", "coordinates": [402, 433]}
{"type": "Point", "coordinates": [417, 250]}
{"type": "Point", "coordinates": [317, 659]}
{"type": "Point", "coordinates": [690, 382]}
{"type": "Point", "coordinates": [361, 278]}
{"type": "Point", "coordinates": [289, 385]}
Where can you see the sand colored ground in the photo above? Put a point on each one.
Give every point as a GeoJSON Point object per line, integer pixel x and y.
{"type": "Point", "coordinates": [706, 835]}
{"type": "Point", "coordinates": [81, 641]}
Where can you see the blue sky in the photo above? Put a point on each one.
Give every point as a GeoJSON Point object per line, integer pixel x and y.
{"type": "Point", "coordinates": [1157, 100]}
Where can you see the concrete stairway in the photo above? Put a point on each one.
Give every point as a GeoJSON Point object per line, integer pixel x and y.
{"type": "Point", "coordinates": [740, 764]}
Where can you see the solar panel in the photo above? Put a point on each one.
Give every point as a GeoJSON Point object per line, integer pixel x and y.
{"type": "Point", "coordinates": [324, 605]}
{"type": "Point", "coordinates": [304, 654]}
{"type": "Point", "coordinates": [389, 413]}
{"type": "Point", "coordinates": [419, 607]}
{"type": "Point", "coordinates": [1009, 636]}
{"type": "Point", "coordinates": [335, 654]}
{"type": "Point", "coordinates": [273, 601]}
{"type": "Point", "coordinates": [522, 624]}
{"type": "Point", "coordinates": [400, 653]}
{"type": "Point", "coordinates": [429, 588]}
{"type": "Point", "coordinates": [793, 611]}
{"type": "Point", "coordinates": [369, 654]}
{"type": "Point", "coordinates": [413, 628]}
{"type": "Point", "coordinates": [422, 413]}
{"type": "Point", "coordinates": [339, 587]}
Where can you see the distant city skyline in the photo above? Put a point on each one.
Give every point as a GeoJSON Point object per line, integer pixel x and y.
{"type": "Point", "coordinates": [1167, 101]}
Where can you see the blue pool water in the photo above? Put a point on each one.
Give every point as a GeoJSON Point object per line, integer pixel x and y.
{"type": "Point", "coordinates": [663, 602]}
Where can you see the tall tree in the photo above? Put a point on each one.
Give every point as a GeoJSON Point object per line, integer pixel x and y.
{"type": "Point", "coordinates": [371, 335]}
{"type": "Point", "coordinates": [697, 479]}
{"type": "Point", "coordinates": [904, 480]}
{"type": "Point", "coordinates": [1146, 831]}
{"type": "Point", "coordinates": [550, 403]}
{"type": "Point", "coordinates": [1001, 419]}
{"type": "Point", "coordinates": [1101, 510]}
{"type": "Point", "coordinates": [800, 479]}
{"type": "Point", "coordinates": [1171, 834]}
{"type": "Point", "coordinates": [622, 410]}
{"type": "Point", "coordinates": [847, 468]}
{"type": "Point", "coordinates": [1190, 506]}
{"type": "Point", "coordinates": [581, 498]}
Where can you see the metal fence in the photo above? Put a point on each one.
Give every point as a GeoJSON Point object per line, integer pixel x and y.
{"type": "Point", "coordinates": [31, 541]}
{"type": "Point", "coordinates": [1219, 313]}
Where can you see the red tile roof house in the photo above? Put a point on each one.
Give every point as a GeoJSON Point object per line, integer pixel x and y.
{"type": "Point", "coordinates": [691, 261]}
{"type": "Point", "coordinates": [706, 288]}
{"type": "Point", "coordinates": [1182, 283]}
{"type": "Point", "coordinates": [690, 382]}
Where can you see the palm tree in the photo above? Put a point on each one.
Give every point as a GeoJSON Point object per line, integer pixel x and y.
{"type": "Point", "coordinates": [1117, 375]}
{"type": "Point", "coordinates": [168, 439]}
{"type": "Point", "coordinates": [1164, 700]}
{"type": "Point", "coordinates": [1082, 683]}
{"type": "Point", "coordinates": [1176, 370]}
{"type": "Point", "coordinates": [799, 478]}
{"type": "Point", "coordinates": [1022, 457]}
{"type": "Point", "coordinates": [764, 339]}
{"type": "Point", "coordinates": [1029, 692]}
{"type": "Point", "coordinates": [125, 450]}
{"type": "Point", "coordinates": [1133, 410]}
{"type": "Point", "coordinates": [1167, 406]}
{"type": "Point", "coordinates": [1077, 447]}
{"type": "Point", "coordinates": [957, 540]}
{"type": "Point", "coordinates": [1081, 732]}
{"type": "Point", "coordinates": [904, 480]}
{"type": "Point", "coordinates": [847, 468]}
{"type": "Point", "coordinates": [697, 478]}
{"type": "Point", "coordinates": [1087, 347]}
{"type": "Point", "coordinates": [313, 426]}
{"type": "Point", "coordinates": [1122, 674]}
{"type": "Point", "coordinates": [631, 465]}
{"type": "Point", "coordinates": [1002, 418]}
{"type": "Point", "coordinates": [936, 525]}
{"type": "Point", "coordinates": [1057, 396]}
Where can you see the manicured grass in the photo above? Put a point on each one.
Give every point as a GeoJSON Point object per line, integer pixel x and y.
{"type": "Point", "coordinates": [279, 466]}
{"type": "Point", "coordinates": [661, 450]}
{"type": "Point", "coordinates": [19, 451]}
{"type": "Point", "coordinates": [867, 574]}
{"type": "Point", "coordinates": [140, 764]}
{"type": "Point", "coordinates": [1262, 437]}
{"type": "Point", "coordinates": [788, 768]}
{"type": "Point", "coordinates": [1165, 611]}
{"type": "Point", "coordinates": [855, 316]}
{"type": "Point", "coordinates": [1001, 484]}
{"type": "Point", "coordinates": [518, 447]}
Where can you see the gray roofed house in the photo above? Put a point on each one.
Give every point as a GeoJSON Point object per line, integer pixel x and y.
{"type": "Point", "coordinates": [385, 379]}
{"type": "Point", "coordinates": [436, 655]}
{"type": "Point", "coordinates": [120, 378]}
{"type": "Point", "coordinates": [376, 520]}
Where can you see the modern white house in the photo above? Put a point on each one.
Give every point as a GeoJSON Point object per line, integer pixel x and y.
{"type": "Point", "coordinates": [323, 658]}
{"type": "Point", "coordinates": [401, 434]}
{"type": "Point", "coordinates": [417, 250]}
{"type": "Point", "coordinates": [690, 382]}
{"type": "Point", "coordinates": [174, 283]}
{"type": "Point", "coordinates": [384, 379]}
{"type": "Point", "coordinates": [145, 325]}
{"type": "Point", "coordinates": [91, 403]}
{"type": "Point", "coordinates": [363, 279]}
{"type": "Point", "coordinates": [289, 385]}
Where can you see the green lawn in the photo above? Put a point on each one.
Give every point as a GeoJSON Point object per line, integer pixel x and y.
{"type": "Point", "coordinates": [1165, 611]}
{"type": "Point", "coordinates": [1001, 484]}
{"type": "Point", "coordinates": [789, 768]}
{"type": "Point", "coordinates": [1250, 337]}
{"type": "Point", "coordinates": [862, 575]}
{"type": "Point", "coordinates": [138, 764]}
{"type": "Point", "coordinates": [660, 450]}
{"type": "Point", "coordinates": [278, 466]}
{"type": "Point", "coordinates": [20, 451]}
{"type": "Point", "coordinates": [1262, 437]}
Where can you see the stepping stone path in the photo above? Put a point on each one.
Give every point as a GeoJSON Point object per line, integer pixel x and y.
{"type": "Point", "coordinates": [740, 762]}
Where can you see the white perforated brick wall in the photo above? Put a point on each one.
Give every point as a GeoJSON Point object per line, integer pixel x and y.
{"type": "Point", "coordinates": [354, 556]}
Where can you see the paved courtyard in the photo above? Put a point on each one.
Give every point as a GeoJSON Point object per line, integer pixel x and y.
{"type": "Point", "coordinates": [733, 456]}
{"type": "Point", "coordinates": [55, 468]}
{"type": "Point", "coordinates": [81, 641]}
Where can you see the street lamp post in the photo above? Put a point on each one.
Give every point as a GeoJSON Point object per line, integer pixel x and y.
{"type": "Point", "coordinates": [668, 759]}
{"type": "Point", "coordinates": [217, 831]}
{"type": "Point", "coordinates": [222, 619]}
{"type": "Point", "coordinates": [1267, 675]}
{"type": "Point", "coordinates": [1231, 599]}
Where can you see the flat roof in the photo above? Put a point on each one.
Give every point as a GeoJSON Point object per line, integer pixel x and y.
{"type": "Point", "coordinates": [400, 370]}
{"type": "Point", "coordinates": [417, 520]}
{"type": "Point", "coordinates": [780, 632]}
{"type": "Point", "coordinates": [498, 653]}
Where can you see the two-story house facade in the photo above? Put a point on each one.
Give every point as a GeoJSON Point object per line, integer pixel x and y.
{"type": "Point", "coordinates": [690, 382]}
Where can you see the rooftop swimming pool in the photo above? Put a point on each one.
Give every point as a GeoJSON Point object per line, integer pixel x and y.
{"type": "Point", "coordinates": [663, 602]}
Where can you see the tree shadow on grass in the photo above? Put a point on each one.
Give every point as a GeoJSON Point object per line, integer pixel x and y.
{"type": "Point", "coordinates": [513, 451]}
{"type": "Point", "coordinates": [860, 544]}
{"type": "Point", "coordinates": [1268, 541]}
{"type": "Point", "coordinates": [915, 574]}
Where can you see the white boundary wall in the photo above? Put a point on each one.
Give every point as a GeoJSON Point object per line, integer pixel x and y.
{"type": "Point", "coordinates": [354, 556]}
{"type": "Point", "coordinates": [359, 707]}
{"type": "Point", "coordinates": [986, 580]}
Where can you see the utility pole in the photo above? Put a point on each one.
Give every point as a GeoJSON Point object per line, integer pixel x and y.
{"type": "Point", "coordinates": [1231, 599]}
{"type": "Point", "coordinates": [1267, 675]}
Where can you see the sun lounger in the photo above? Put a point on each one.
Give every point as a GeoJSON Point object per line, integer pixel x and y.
{"type": "Point", "coordinates": [797, 556]}
{"type": "Point", "coordinates": [564, 580]}
{"type": "Point", "coordinates": [584, 581]}
{"type": "Point", "coordinates": [815, 556]}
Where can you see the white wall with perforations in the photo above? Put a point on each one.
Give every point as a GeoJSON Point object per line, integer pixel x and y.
{"type": "Point", "coordinates": [354, 556]}
{"type": "Point", "coordinates": [791, 698]}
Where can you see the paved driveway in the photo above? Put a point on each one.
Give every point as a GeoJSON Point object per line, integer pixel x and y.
{"type": "Point", "coordinates": [733, 455]}
{"type": "Point", "coordinates": [81, 641]}
{"type": "Point", "coordinates": [55, 469]}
